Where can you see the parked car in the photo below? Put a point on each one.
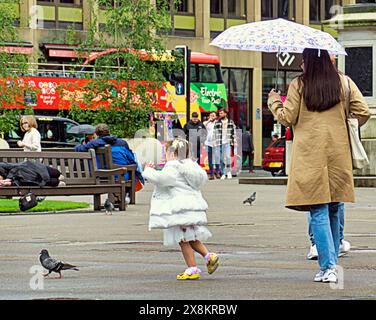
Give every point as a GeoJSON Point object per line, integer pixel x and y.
{"type": "Point", "coordinates": [274, 157]}
{"type": "Point", "coordinates": [53, 131]}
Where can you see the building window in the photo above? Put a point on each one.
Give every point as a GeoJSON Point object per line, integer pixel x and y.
{"type": "Point", "coordinates": [237, 8]}
{"type": "Point", "coordinates": [271, 9]}
{"type": "Point", "coordinates": [60, 14]}
{"type": "Point", "coordinates": [216, 7]}
{"type": "Point", "coordinates": [228, 8]}
{"type": "Point", "coordinates": [181, 26]}
{"type": "Point", "coordinates": [359, 67]}
{"type": "Point", "coordinates": [238, 84]}
{"type": "Point", "coordinates": [320, 10]}
{"type": "Point", "coordinates": [226, 13]}
{"type": "Point", "coordinates": [267, 9]}
{"type": "Point", "coordinates": [185, 6]}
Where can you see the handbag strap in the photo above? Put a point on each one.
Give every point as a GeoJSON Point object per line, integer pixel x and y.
{"type": "Point", "coordinates": [347, 96]}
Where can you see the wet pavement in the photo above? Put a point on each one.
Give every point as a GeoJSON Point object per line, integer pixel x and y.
{"type": "Point", "coordinates": [262, 252]}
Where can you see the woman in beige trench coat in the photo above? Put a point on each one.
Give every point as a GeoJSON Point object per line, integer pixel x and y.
{"type": "Point", "coordinates": [321, 177]}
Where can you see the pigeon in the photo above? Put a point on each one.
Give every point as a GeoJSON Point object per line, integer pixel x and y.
{"type": "Point", "coordinates": [109, 206]}
{"type": "Point", "coordinates": [53, 265]}
{"type": "Point", "coordinates": [127, 198]}
{"type": "Point", "coordinates": [250, 199]}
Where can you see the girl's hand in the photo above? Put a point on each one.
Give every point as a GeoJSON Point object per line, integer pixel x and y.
{"type": "Point", "coordinates": [150, 165]}
{"type": "Point", "coordinates": [274, 93]}
{"type": "Point", "coordinates": [20, 144]}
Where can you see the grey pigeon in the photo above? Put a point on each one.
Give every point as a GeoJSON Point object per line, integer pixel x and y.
{"type": "Point", "coordinates": [53, 265]}
{"type": "Point", "coordinates": [251, 199]}
{"type": "Point", "coordinates": [108, 206]}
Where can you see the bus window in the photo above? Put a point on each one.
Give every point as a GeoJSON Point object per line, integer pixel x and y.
{"type": "Point", "coordinates": [209, 73]}
{"type": "Point", "coordinates": [194, 73]}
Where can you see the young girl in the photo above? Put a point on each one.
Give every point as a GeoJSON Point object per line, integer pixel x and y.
{"type": "Point", "coordinates": [177, 206]}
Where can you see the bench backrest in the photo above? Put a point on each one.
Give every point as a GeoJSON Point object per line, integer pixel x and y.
{"type": "Point", "coordinates": [76, 167]}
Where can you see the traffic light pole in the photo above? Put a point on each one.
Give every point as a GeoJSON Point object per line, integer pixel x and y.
{"type": "Point", "coordinates": [188, 84]}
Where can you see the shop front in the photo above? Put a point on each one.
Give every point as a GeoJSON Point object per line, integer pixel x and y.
{"type": "Point", "coordinates": [289, 68]}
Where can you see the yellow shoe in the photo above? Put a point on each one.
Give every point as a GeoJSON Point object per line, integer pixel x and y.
{"type": "Point", "coordinates": [213, 263]}
{"type": "Point", "coordinates": [186, 276]}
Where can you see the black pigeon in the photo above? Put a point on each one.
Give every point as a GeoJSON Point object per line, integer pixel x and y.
{"type": "Point", "coordinates": [250, 199]}
{"type": "Point", "coordinates": [108, 206]}
{"type": "Point", "coordinates": [53, 265]}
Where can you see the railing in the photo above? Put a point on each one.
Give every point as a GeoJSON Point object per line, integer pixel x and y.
{"type": "Point", "coordinates": [64, 70]}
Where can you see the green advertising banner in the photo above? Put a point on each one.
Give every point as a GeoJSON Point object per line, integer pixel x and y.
{"type": "Point", "coordinates": [209, 96]}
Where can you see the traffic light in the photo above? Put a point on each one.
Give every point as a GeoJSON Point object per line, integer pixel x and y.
{"type": "Point", "coordinates": [180, 78]}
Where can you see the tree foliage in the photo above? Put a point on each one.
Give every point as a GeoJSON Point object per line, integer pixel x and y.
{"type": "Point", "coordinates": [127, 78]}
{"type": "Point", "coordinates": [11, 66]}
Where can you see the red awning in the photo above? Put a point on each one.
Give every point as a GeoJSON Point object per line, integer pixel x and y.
{"type": "Point", "coordinates": [17, 49]}
{"type": "Point", "coordinates": [65, 53]}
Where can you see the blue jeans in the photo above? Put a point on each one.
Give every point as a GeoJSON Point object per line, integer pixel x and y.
{"type": "Point", "coordinates": [341, 208]}
{"type": "Point", "coordinates": [222, 155]}
{"type": "Point", "coordinates": [325, 228]}
{"type": "Point", "coordinates": [210, 160]}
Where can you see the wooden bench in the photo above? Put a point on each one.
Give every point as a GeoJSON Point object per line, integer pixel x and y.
{"type": "Point", "coordinates": [105, 161]}
{"type": "Point", "coordinates": [81, 173]}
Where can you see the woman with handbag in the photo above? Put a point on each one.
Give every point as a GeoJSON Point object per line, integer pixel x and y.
{"type": "Point", "coordinates": [321, 176]}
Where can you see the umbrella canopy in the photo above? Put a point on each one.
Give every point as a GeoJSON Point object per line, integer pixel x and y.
{"type": "Point", "coordinates": [82, 129]}
{"type": "Point", "coordinates": [278, 35]}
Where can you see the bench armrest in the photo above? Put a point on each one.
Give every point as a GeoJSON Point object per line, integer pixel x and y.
{"type": "Point", "coordinates": [110, 172]}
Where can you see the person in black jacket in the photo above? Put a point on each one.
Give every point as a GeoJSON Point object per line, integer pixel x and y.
{"type": "Point", "coordinates": [248, 148]}
{"type": "Point", "coordinates": [195, 132]}
{"type": "Point", "coordinates": [29, 173]}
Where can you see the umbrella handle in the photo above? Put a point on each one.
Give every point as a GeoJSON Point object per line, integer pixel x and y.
{"type": "Point", "coordinates": [277, 72]}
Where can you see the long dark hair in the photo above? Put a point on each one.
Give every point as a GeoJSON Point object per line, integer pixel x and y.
{"type": "Point", "coordinates": [322, 84]}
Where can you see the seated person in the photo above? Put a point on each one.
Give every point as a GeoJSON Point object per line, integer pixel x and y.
{"type": "Point", "coordinates": [121, 154]}
{"type": "Point", "coordinates": [50, 134]}
{"type": "Point", "coordinates": [29, 173]}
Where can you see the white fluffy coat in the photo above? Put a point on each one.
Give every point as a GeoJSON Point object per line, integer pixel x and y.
{"type": "Point", "coordinates": [177, 199]}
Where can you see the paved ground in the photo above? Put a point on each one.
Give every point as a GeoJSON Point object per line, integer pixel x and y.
{"type": "Point", "coordinates": [262, 250]}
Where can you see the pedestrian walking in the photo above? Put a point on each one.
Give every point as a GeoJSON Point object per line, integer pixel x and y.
{"type": "Point", "coordinates": [321, 176]}
{"type": "Point", "coordinates": [195, 132]}
{"type": "Point", "coordinates": [31, 139]}
{"type": "Point", "coordinates": [224, 139]}
{"type": "Point", "coordinates": [209, 144]}
{"type": "Point", "coordinates": [178, 207]}
{"type": "Point", "coordinates": [248, 149]}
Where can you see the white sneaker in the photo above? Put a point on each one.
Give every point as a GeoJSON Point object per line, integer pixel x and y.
{"type": "Point", "coordinates": [223, 177]}
{"type": "Point", "coordinates": [229, 175]}
{"type": "Point", "coordinates": [330, 276]}
{"type": "Point", "coordinates": [344, 248]}
{"type": "Point", "coordinates": [320, 276]}
{"type": "Point", "coordinates": [312, 254]}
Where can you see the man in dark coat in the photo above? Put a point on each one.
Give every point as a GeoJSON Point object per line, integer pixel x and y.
{"type": "Point", "coordinates": [248, 148]}
{"type": "Point", "coordinates": [29, 173]}
{"type": "Point", "coordinates": [195, 132]}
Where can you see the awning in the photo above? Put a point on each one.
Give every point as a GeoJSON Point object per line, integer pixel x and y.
{"type": "Point", "coordinates": [64, 51]}
{"type": "Point", "coordinates": [20, 48]}
{"type": "Point", "coordinates": [59, 50]}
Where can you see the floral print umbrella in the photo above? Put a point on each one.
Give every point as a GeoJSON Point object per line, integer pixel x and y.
{"type": "Point", "coordinates": [278, 35]}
